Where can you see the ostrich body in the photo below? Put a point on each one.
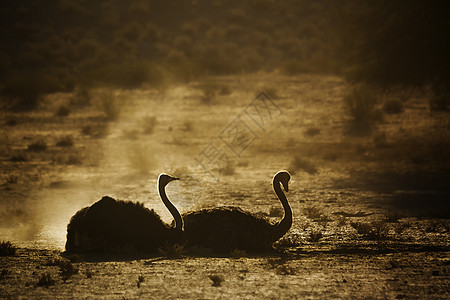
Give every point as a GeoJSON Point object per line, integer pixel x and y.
{"type": "Point", "coordinates": [224, 229]}
{"type": "Point", "coordinates": [115, 225]}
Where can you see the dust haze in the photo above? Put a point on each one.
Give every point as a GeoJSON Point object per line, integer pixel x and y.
{"type": "Point", "coordinates": [98, 98]}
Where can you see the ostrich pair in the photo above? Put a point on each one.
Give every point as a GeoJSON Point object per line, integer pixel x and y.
{"type": "Point", "coordinates": [110, 225]}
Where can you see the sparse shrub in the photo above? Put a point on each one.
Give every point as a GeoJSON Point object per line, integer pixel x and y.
{"type": "Point", "coordinates": [342, 221]}
{"type": "Point", "coordinates": [81, 97]}
{"type": "Point", "coordinates": [224, 90]}
{"type": "Point", "coordinates": [4, 273]}
{"type": "Point", "coordinates": [172, 250]}
{"type": "Point", "coordinates": [109, 104]}
{"type": "Point", "coordinates": [12, 179]}
{"type": "Point", "coordinates": [228, 170]}
{"type": "Point", "coordinates": [400, 227]}
{"type": "Point", "coordinates": [187, 126]}
{"type": "Point", "coordinates": [437, 226]}
{"type": "Point", "coordinates": [148, 124]}
{"type": "Point", "coordinates": [46, 280]}
{"type": "Point", "coordinates": [299, 163]}
{"type": "Point", "coordinates": [275, 262]}
{"type": "Point", "coordinates": [217, 280]}
{"type": "Point", "coordinates": [89, 274]}
{"type": "Point", "coordinates": [380, 140]}
{"type": "Point", "coordinates": [290, 241]}
{"type": "Point", "coordinates": [272, 92]}
{"type": "Point", "coordinates": [286, 270]}
{"type": "Point", "coordinates": [314, 236]}
{"type": "Point", "coordinates": [275, 212]}
{"type": "Point", "coordinates": [27, 89]}
{"type": "Point", "coordinates": [73, 160]}
{"type": "Point", "coordinates": [66, 268]}
{"type": "Point", "coordinates": [361, 105]}
{"type": "Point", "coordinates": [312, 131]}
{"type": "Point", "coordinates": [293, 67]}
{"type": "Point", "coordinates": [19, 157]}
{"type": "Point", "coordinates": [393, 217]}
{"type": "Point", "coordinates": [377, 230]}
{"type": "Point", "coordinates": [63, 111]}
{"type": "Point", "coordinates": [313, 212]}
{"type": "Point", "coordinates": [393, 106]}
{"type": "Point", "coordinates": [38, 146]}
{"type": "Point", "coordinates": [65, 142]}
{"type": "Point", "coordinates": [238, 253]}
{"type": "Point", "coordinates": [7, 249]}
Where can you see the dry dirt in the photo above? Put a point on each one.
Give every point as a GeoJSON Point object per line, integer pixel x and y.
{"type": "Point", "coordinates": [370, 207]}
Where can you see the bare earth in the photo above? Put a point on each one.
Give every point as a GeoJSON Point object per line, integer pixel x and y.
{"type": "Point", "coordinates": [370, 208]}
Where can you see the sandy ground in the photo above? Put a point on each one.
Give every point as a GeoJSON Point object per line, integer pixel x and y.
{"type": "Point", "coordinates": [393, 180]}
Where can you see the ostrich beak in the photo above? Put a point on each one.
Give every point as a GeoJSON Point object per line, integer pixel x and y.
{"type": "Point", "coordinates": [175, 178]}
{"type": "Point", "coordinates": [286, 186]}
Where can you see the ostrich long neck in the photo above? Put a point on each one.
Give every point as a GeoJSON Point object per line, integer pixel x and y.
{"type": "Point", "coordinates": [285, 224]}
{"type": "Point", "coordinates": [173, 210]}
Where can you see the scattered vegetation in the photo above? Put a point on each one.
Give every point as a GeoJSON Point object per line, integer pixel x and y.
{"type": "Point", "coordinates": [4, 273]}
{"type": "Point", "coordinates": [19, 157]}
{"type": "Point", "coordinates": [148, 124]}
{"type": "Point", "coordinates": [63, 111]}
{"type": "Point", "coordinates": [7, 249]}
{"type": "Point", "coordinates": [312, 131]}
{"type": "Point", "coordinates": [314, 236]}
{"type": "Point", "coordinates": [302, 164]}
{"type": "Point", "coordinates": [313, 212]}
{"type": "Point", "coordinates": [66, 268]}
{"type": "Point", "coordinates": [46, 280]}
{"type": "Point", "coordinates": [38, 146]}
{"type": "Point", "coordinates": [172, 250]}
{"type": "Point", "coordinates": [66, 141]}
{"type": "Point", "coordinates": [290, 241]}
{"type": "Point", "coordinates": [361, 105]}
{"type": "Point", "coordinates": [392, 106]}
{"type": "Point", "coordinates": [276, 212]}
{"type": "Point", "coordinates": [238, 253]}
{"type": "Point", "coordinates": [217, 280]}
{"type": "Point", "coordinates": [376, 230]}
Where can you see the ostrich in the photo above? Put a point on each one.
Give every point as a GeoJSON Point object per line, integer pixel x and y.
{"type": "Point", "coordinates": [113, 225]}
{"type": "Point", "coordinates": [224, 229]}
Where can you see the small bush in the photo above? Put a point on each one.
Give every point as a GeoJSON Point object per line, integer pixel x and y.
{"type": "Point", "coordinates": [305, 165]}
{"type": "Point", "coordinates": [286, 270]}
{"type": "Point", "coordinates": [46, 280]}
{"type": "Point", "coordinates": [63, 111]}
{"type": "Point", "coordinates": [275, 212]}
{"type": "Point", "coordinates": [361, 105]}
{"type": "Point", "coordinates": [65, 142]}
{"type": "Point", "coordinates": [18, 158]}
{"type": "Point", "coordinates": [392, 106]}
{"type": "Point", "coordinates": [342, 221]}
{"type": "Point", "coordinates": [314, 236]}
{"type": "Point", "coordinates": [38, 146]}
{"type": "Point", "coordinates": [312, 131]}
{"type": "Point", "coordinates": [377, 230]}
{"type": "Point", "coordinates": [238, 253]}
{"type": "Point", "coordinates": [313, 212]}
{"type": "Point", "coordinates": [217, 280]}
{"type": "Point", "coordinates": [7, 249]}
{"type": "Point", "coordinates": [4, 273]}
{"type": "Point", "coordinates": [172, 250]}
{"type": "Point", "coordinates": [148, 124]}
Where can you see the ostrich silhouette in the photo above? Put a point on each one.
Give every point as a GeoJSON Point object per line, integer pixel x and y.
{"type": "Point", "coordinates": [224, 229]}
{"type": "Point", "coordinates": [110, 225]}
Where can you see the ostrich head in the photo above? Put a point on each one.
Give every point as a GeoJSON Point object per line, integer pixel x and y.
{"type": "Point", "coordinates": [283, 177]}
{"type": "Point", "coordinates": [164, 179]}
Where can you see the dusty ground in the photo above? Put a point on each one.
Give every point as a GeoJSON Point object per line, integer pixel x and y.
{"type": "Point", "coordinates": [370, 208]}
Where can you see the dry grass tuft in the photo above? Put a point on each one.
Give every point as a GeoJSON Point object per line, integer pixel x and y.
{"type": "Point", "coordinates": [217, 280]}
{"type": "Point", "coordinates": [7, 249]}
{"type": "Point", "coordinates": [46, 280]}
{"type": "Point", "coordinates": [172, 250]}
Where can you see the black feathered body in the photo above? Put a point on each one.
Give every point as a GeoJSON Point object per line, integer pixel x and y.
{"type": "Point", "coordinates": [225, 229]}
{"type": "Point", "coordinates": [111, 225]}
